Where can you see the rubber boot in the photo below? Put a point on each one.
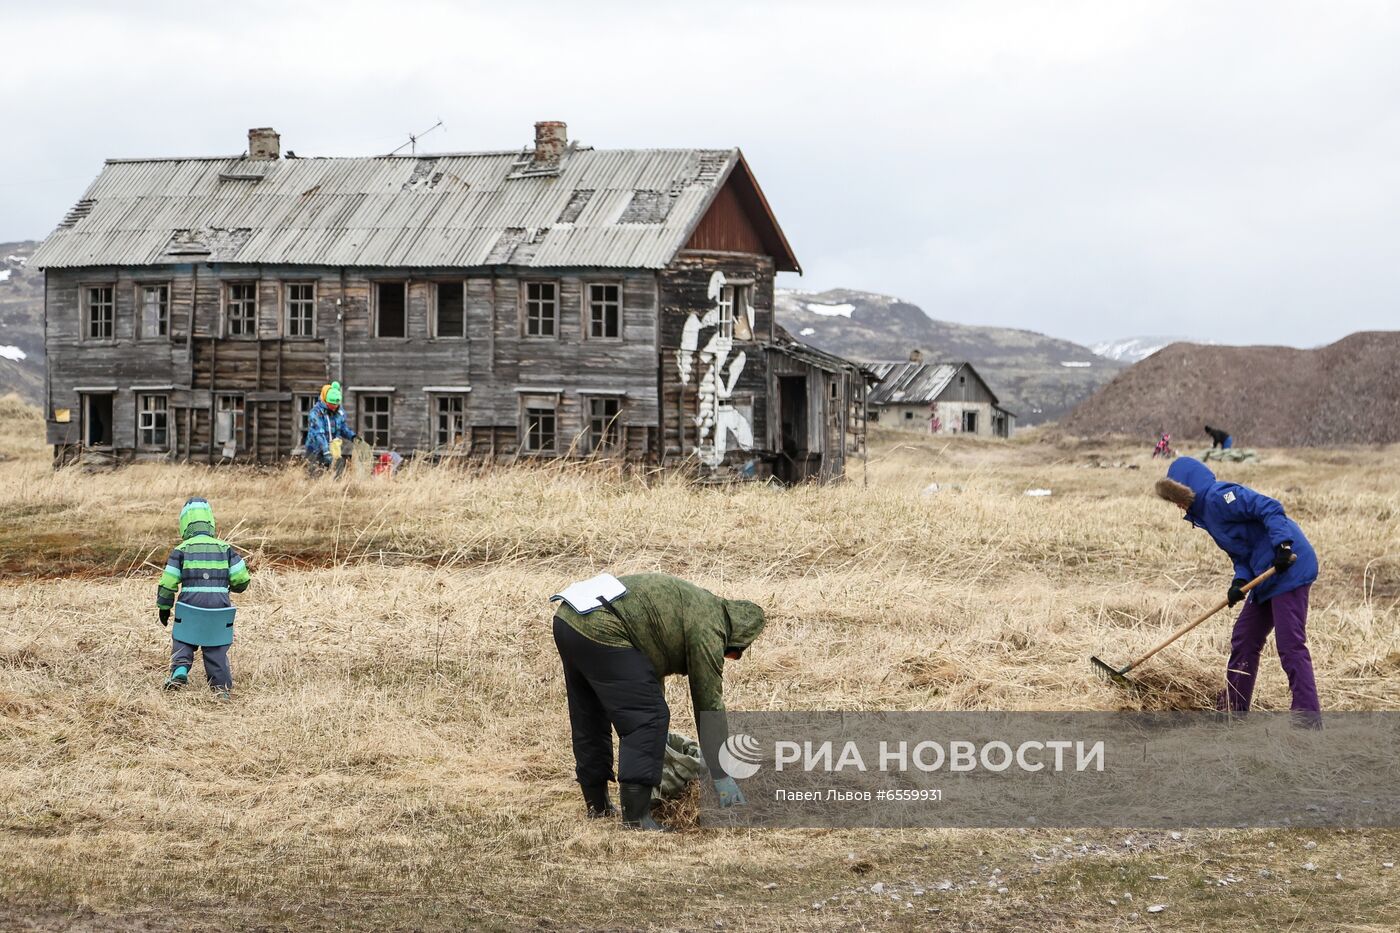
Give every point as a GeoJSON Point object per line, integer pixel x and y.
{"type": "Point", "coordinates": [595, 797]}
{"type": "Point", "coordinates": [178, 678]}
{"type": "Point", "coordinates": [636, 808]}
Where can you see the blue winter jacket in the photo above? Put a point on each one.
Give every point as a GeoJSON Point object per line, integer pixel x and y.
{"type": "Point", "coordinates": [1247, 525]}
{"type": "Point", "coordinates": [322, 424]}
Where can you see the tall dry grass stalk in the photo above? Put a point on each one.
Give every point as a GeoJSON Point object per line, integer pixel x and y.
{"type": "Point", "coordinates": [398, 745]}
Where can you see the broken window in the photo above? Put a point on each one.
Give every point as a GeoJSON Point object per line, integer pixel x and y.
{"type": "Point", "coordinates": [734, 312]}
{"type": "Point", "coordinates": [969, 422]}
{"type": "Point", "coordinates": [153, 418]}
{"type": "Point", "coordinates": [604, 424]}
{"type": "Point", "coordinates": [100, 309]}
{"type": "Point", "coordinates": [304, 405]}
{"type": "Point", "coordinates": [228, 421]}
{"type": "Point", "coordinates": [450, 416]}
{"type": "Point", "coordinates": [390, 309]}
{"type": "Point", "coordinates": [604, 310]}
{"type": "Point", "coordinates": [541, 309]}
{"type": "Point", "coordinates": [241, 308]}
{"type": "Point", "coordinates": [540, 428]}
{"type": "Point", "coordinates": [374, 419]}
{"type": "Point", "coordinates": [301, 309]}
{"type": "Point", "coordinates": [155, 311]}
{"type": "Point", "coordinates": [450, 319]}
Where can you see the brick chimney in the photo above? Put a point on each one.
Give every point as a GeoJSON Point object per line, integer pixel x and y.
{"type": "Point", "coordinates": [916, 356]}
{"type": "Point", "coordinates": [551, 136]}
{"type": "Point", "coordinates": [264, 143]}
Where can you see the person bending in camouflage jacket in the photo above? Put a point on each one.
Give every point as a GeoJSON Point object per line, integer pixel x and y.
{"type": "Point", "coordinates": [615, 659]}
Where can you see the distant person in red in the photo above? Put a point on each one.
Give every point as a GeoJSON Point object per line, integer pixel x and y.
{"type": "Point", "coordinates": [1164, 447]}
{"type": "Point", "coordinates": [1220, 438]}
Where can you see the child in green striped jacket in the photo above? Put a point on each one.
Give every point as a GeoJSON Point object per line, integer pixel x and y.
{"type": "Point", "coordinates": [204, 570]}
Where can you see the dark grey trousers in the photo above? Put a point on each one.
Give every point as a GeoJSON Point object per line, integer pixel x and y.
{"type": "Point", "coordinates": [216, 668]}
{"type": "Point", "coordinates": [613, 688]}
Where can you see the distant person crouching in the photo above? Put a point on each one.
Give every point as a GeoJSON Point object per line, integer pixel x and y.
{"type": "Point", "coordinates": [1219, 438]}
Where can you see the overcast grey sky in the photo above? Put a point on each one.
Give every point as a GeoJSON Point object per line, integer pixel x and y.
{"type": "Point", "coordinates": [1225, 171]}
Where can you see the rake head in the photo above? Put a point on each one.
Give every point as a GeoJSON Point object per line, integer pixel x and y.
{"type": "Point", "coordinates": [1111, 673]}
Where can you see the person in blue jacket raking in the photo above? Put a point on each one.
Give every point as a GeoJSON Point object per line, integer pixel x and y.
{"type": "Point", "coordinates": [1254, 530]}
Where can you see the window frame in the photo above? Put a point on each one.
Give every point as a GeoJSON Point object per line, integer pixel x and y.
{"type": "Point", "coordinates": [303, 419]}
{"type": "Point", "coordinates": [239, 426]}
{"type": "Point", "coordinates": [85, 312]}
{"type": "Point", "coordinates": [374, 314]}
{"type": "Point", "coordinates": [617, 425]}
{"type": "Point", "coordinates": [972, 412]}
{"type": "Point", "coordinates": [141, 412]}
{"type": "Point", "coordinates": [538, 402]}
{"type": "Point", "coordinates": [362, 413]}
{"type": "Point", "coordinates": [434, 400]}
{"type": "Point", "coordinates": [287, 300]}
{"type": "Point", "coordinates": [434, 321]}
{"type": "Point", "coordinates": [227, 301]}
{"type": "Point", "coordinates": [525, 300]}
{"type": "Point", "coordinates": [140, 289]}
{"type": "Point", "coordinates": [740, 297]}
{"type": "Point", "coordinates": [587, 310]}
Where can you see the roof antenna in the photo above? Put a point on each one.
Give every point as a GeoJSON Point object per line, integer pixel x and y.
{"type": "Point", "coordinates": [412, 144]}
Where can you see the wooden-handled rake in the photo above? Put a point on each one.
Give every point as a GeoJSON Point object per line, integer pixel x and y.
{"type": "Point", "coordinates": [1119, 674]}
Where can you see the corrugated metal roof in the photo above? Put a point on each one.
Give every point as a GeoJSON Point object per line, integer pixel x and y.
{"type": "Point", "coordinates": [406, 211]}
{"type": "Point", "coordinates": [910, 383]}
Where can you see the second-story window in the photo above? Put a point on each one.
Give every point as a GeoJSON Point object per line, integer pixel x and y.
{"type": "Point", "coordinates": [301, 309]}
{"type": "Point", "coordinates": [241, 308]}
{"type": "Point", "coordinates": [155, 311]}
{"type": "Point", "coordinates": [390, 309]}
{"type": "Point", "coordinates": [604, 310]}
{"type": "Point", "coordinates": [541, 309]}
{"type": "Point", "coordinates": [734, 312]}
{"type": "Point", "coordinates": [99, 312]}
{"type": "Point", "coordinates": [451, 312]}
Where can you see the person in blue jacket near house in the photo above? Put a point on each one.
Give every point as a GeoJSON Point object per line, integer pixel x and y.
{"type": "Point", "coordinates": [1253, 529]}
{"type": "Point", "coordinates": [324, 423]}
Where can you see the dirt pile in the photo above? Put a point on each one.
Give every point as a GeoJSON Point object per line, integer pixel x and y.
{"type": "Point", "coordinates": [1345, 393]}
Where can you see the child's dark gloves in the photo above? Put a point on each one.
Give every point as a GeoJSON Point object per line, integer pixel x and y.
{"type": "Point", "coordinates": [1283, 556]}
{"type": "Point", "coordinates": [164, 616]}
{"type": "Point", "coordinates": [1236, 595]}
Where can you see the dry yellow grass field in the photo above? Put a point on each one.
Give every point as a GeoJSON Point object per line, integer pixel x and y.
{"type": "Point", "coordinates": [396, 754]}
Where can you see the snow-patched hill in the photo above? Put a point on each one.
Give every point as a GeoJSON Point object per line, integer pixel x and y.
{"type": "Point", "coordinates": [1131, 349]}
{"type": "Point", "coordinates": [21, 323]}
{"type": "Point", "coordinates": [1038, 377]}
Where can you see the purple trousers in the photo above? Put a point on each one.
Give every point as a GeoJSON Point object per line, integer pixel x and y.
{"type": "Point", "coordinates": [1287, 615]}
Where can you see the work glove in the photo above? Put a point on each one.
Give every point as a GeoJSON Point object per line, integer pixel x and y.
{"type": "Point", "coordinates": [1236, 595]}
{"type": "Point", "coordinates": [1283, 556]}
{"type": "Point", "coordinates": [164, 617]}
{"type": "Point", "coordinates": [729, 793]}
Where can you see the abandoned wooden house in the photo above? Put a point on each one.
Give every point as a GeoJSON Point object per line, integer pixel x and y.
{"type": "Point", "coordinates": [937, 398]}
{"type": "Point", "coordinates": [550, 301]}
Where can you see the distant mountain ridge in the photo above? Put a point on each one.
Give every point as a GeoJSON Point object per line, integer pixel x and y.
{"type": "Point", "coordinates": [1343, 393]}
{"type": "Point", "coordinates": [21, 323]}
{"type": "Point", "coordinates": [1040, 378]}
{"type": "Point", "coordinates": [1134, 349]}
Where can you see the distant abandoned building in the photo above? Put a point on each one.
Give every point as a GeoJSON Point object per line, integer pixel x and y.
{"type": "Point", "coordinates": [937, 398]}
{"type": "Point", "coordinates": [552, 301]}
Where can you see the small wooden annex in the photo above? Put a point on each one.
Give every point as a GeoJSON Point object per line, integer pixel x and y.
{"type": "Point", "coordinates": [555, 300]}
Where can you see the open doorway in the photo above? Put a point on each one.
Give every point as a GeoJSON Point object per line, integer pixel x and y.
{"type": "Point", "coordinates": [792, 421]}
{"type": "Point", "coordinates": [97, 420]}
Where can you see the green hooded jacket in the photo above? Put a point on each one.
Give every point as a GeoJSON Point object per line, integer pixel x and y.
{"type": "Point", "coordinates": [203, 569]}
{"type": "Point", "coordinates": [680, 627]}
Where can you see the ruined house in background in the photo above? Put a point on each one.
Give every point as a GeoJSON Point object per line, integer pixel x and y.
{"type": "Point", "coordinates": [937, 398]}
{"type": "Point", "coordinates": [551, 301]}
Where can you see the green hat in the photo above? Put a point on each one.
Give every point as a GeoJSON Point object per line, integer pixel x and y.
{"type": "Point", "coordinates": [333, 394]}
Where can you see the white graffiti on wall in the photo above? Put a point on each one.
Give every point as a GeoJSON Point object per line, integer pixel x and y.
{"type": "Point", "coordinates": [717, 419]}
